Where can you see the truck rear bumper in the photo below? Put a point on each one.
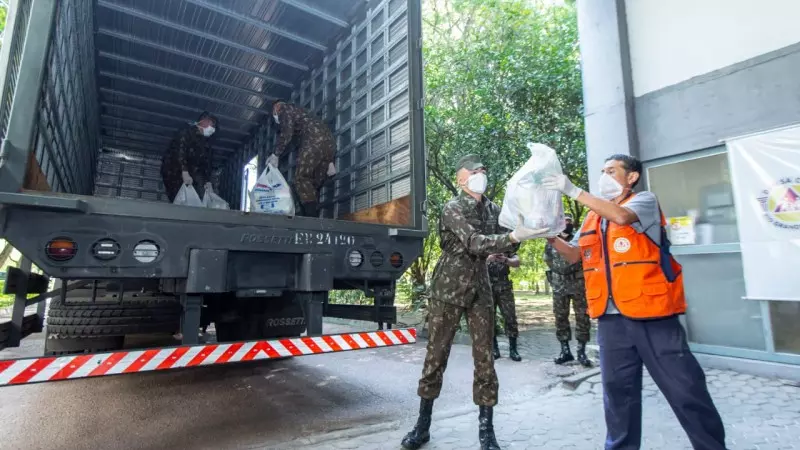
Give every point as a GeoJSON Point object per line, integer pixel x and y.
{"type": "Point", "coordinates": [39, 370]}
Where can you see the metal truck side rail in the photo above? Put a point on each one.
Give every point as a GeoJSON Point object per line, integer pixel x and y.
{"type": "Point", "coordinates": [40, 370]}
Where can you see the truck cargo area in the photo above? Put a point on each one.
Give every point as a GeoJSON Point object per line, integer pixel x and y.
{"type": "Point", "coordinates": [93, 91]}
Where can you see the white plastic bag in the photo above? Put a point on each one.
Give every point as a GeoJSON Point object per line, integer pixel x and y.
{"type": "Point", "coordinates": [271, 194]}
{"type": "Point", "coordinates": [187, 196]}
{"type": "Point", "coordinates": [539, 207]}
{"type": "Point", "coordinates": [214, 201]}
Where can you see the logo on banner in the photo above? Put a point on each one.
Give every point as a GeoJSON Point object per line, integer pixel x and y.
{"type": "Point", "coordinates": [781, 203]}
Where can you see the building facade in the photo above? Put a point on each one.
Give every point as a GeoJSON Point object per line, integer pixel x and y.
{"type": "Point", "coordinates": [669, 82]}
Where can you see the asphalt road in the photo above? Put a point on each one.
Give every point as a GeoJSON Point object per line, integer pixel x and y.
{"type": "Point", "coordinates": [253, 405]}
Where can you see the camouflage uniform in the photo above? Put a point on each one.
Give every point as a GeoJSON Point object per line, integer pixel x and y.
{"type": "Point", "coordinates": [461, 286]}
{"type": "Point", "coordinates": [189, 151]}
{"type": "Point", "coordinates": [316, 149]}
{"type": "Point", "coordinates": [567, 282]}
{"type": "Point", "coordinates": [499, 276]}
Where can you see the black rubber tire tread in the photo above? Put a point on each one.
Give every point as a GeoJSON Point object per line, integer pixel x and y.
{"type": "Point", "coordinates": [56, 345]}
{"type": "Point", "coordinates": [113, 330]}
{"type": "Point", "coordinates": [82, 318]}
{"type": "Point", "coordinates": [102, 321]}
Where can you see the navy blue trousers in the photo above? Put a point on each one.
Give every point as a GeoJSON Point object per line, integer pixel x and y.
{"type": "Point", "coordinates": [660, 345]}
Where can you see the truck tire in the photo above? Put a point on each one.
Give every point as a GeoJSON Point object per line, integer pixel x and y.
{"type": "Point", "coordinates": [80, 325]}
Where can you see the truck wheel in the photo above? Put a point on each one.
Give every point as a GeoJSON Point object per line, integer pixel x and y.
{"type": "Point", "coordinates": [80, 325]}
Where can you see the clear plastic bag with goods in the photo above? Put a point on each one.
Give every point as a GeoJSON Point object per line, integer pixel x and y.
{"type": "Point", "coordinates": [214, 201]}
{"type": "Point", "coordinates": [187, 196]}
{"type": "Point", "coordinates": [272, 194]}
{"type": "Point", "coordinates": [525, 197]}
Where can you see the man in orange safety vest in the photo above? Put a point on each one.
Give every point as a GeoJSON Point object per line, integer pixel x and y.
{"type": "Point", "coordinates": [634, 287]}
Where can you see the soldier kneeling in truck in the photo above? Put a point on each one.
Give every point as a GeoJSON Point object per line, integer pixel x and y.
{"type": "Point", "coordinates": [316, 149]}
{"type": "Point", "coordinates": [188, 158]}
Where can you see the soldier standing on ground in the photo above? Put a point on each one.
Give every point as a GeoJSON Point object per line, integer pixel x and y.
{"type": "Point", "coordinates": [461, 287]}
{"type": "Point", "coordinates": [188, 159]}
{"type": "Point", "coordinates": [316, 150]}
{"type": "Point", "coordinates": [567, 282]}
{"type": "Point", "coordinates": [502, 287]}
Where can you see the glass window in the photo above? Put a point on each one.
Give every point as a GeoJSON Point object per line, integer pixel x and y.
{"type": "Point", "coordinates": [697, 199]}
{"type": "Point", "coordinates": [716, 313]}
{"type": "Point", "coordinates": [786, 334]}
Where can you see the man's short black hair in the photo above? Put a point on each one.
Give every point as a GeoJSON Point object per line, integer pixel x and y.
{"type": "Point", "coordinates": [629, 163]}
{"type": "Point", "coordinates": [208, 115]}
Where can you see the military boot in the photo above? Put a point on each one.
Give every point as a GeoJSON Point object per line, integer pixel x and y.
{"type": "Point", "coordinates": [566, 355]}
{"type": "Point", "coordinates": [495, 348]}
{"type": "Point", "coordinates": [486, 429]}
{"type": "Point", "coordinates": [581, 352]}
{"type": "Point", "coordinates": [420, 435]}
{"type": "Point", "coordinates": [513, 353]}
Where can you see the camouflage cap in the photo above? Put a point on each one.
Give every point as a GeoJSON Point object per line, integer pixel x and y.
{"type": "Point", "coordinates": [567, 216]}
{"type": "Point", "coordinates": [470, 162]}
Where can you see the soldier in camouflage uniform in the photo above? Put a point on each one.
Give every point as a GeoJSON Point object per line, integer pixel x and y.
{"type": "Point", "coordinates": [567, 282]}
{"type": "Point", "coordinates": [460, 286]}
{"type": "Point", "coordinates": [316, 150]}
{"type": "Point", "coordinates": [189, 157]}
{"type": "Point", "coordinates": [502, 287]}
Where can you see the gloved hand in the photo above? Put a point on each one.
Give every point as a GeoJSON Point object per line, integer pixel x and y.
{"type": "Point", "coordinates": [273, 160]}
{"type": "Point", "coordinates": [562, 183]}
{"type": "Point", "coordinates": [187, 179]}
{"type": "Point", "coordinates": [208, 188]}
{"type": "Point", "coordinates": [331, 170]}
{"type": "Point", "coordinates": [522, 233]}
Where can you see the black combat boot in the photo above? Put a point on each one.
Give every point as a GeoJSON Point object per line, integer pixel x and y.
{"type": "Point", "coordinates": [513, 353]}
{"type": "Point", "coordinates": [581, 352]}
{"type": "Point", "coordinates": [495, 348]}
{"type": "Point", "coordinates": [310, 209]}
{"type": "Point", "coordinates": [566, 355]}
{"type": "Point", "coordinates": [420, 435]}
{"type": "Point", "coordinates": [486, 429]}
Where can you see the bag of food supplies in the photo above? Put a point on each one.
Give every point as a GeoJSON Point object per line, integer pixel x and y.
{"type": "Point", "coordinates": [214, 201]}
{"type": "Point", "coordinates": [272, 194]}
{"type": "Point", "coordinates": [525, 197]}
{"type": "Point", "coordinates": [187, 196]}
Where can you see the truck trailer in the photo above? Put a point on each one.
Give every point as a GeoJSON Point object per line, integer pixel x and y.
{"type": "Point", "coordinates": [92, 93]}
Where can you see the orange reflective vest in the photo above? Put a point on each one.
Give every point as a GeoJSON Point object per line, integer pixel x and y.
{"type": "Point", "coordinates": [643, 278]}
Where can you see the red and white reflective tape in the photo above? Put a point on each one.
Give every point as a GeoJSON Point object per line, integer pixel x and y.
{"type": "Point", "coordinates": [37, 370]}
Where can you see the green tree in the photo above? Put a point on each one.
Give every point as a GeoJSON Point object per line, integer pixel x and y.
{"type": "Point", "coordinates": [499, 74]}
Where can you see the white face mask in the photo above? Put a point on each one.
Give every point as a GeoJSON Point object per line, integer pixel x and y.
{"type": "Point", "coordinates": [208, 131]}
{"type": "Point", "coordinates": [275, 116]}
{"type": "Point", "coordinates": [609, 187]}
{"type": "Point", "coordinates": [477, 182]}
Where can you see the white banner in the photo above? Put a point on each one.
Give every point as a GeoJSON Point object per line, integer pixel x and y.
{"type": "Point", "coordinates": [765, 174]}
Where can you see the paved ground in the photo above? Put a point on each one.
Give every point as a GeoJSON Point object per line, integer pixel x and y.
{"type": "Point", "coordinates": [758, 413]}
{"type": "Point", "coordinates": [363, 400]}
{"type": "Point", "coordinates": [256, 405]}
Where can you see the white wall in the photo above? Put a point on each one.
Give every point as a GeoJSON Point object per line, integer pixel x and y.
{"type": "Point", "coordinates": [674, 40]}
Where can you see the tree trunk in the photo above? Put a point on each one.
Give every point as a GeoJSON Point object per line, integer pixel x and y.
{"type": "Point", "coordinates": [5, 253]}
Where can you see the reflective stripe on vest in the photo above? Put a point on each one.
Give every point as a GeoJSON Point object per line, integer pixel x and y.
{"type": "Point", "coordinates": [630, 268]}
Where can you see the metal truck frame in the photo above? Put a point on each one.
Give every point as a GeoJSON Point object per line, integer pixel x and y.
{"type": "Point", "coordinates": [256, 276]}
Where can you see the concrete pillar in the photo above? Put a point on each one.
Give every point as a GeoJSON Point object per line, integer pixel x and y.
{"type": "Point", "coordinates": [607, 84]}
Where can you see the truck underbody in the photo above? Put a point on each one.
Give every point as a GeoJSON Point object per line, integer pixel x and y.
{"type": "Point", "coordinates": [86, 207]}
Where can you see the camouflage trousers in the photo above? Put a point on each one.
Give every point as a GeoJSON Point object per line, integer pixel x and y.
{"type": "Point", "coordinates": [313, 159]}
{"type": "Point", "coordinates": [504, 301]}
{"type": "Point", "coordinates": [443, 320]}
{"type": "Point", "coordinates": [561, 311]}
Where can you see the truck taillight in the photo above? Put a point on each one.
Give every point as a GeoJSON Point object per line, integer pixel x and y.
{"type": "Point", "coordinates": [396, 260]}
{"type": "Point", "coordinates": [355, 258]}
{"type": "Point", "coordinates": [61, 249]}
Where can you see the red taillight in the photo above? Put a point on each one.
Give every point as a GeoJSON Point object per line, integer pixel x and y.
{"type": "Point", "coordinates": [61, 249]}
{"type": "Point", "coordinates": [396, 260]}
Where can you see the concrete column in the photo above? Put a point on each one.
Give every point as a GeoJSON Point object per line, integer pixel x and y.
{"type": "Point", "coordinates": [607, 84]}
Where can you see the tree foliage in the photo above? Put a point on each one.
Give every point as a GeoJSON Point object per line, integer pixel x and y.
{"type": "Point", "coordinates": [498, 74]}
